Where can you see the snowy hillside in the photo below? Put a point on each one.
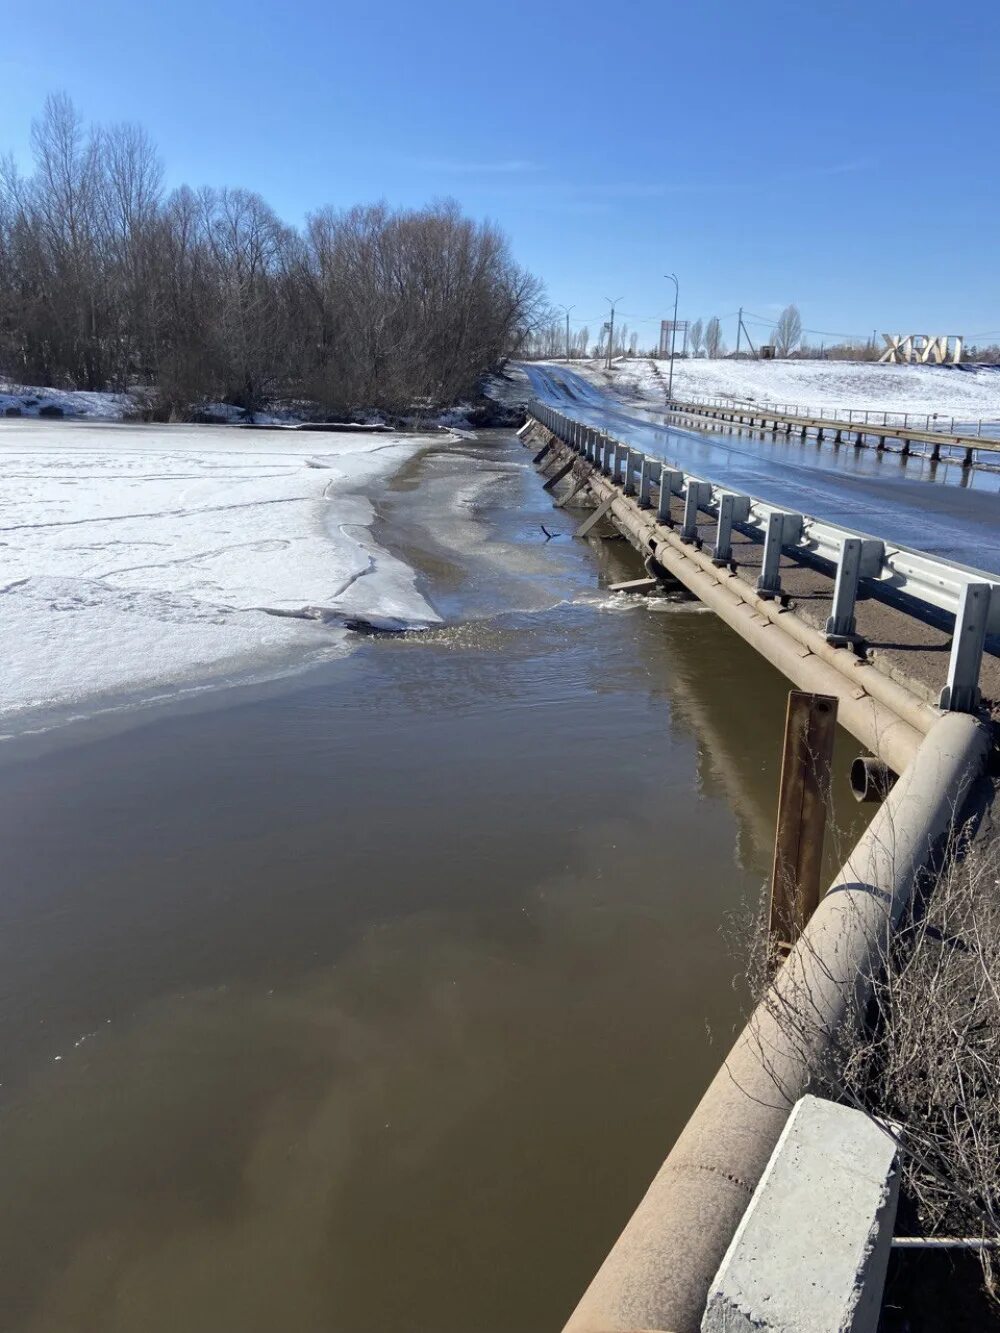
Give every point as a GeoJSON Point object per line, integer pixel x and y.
{"type": "Point", "coordinates": [965, 394]}
{"type": "Point", "coordinates": [143, 559]}
{"type": "Point", "coordinates": [27, 401]}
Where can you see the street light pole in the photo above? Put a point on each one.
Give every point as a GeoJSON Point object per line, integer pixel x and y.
{"type": "Point", "coordinates": [567, 308]}
{"type": "Point", "coordinates": [673, 335]}
{"type": "Point", "coordinates": [611, 330]}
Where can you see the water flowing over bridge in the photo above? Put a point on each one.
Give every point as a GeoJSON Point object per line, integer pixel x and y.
{"type": "Point", "coordinates": [871, 583]}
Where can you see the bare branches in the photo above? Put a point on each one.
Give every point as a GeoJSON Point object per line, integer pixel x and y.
{"type": "Point", "coordinates": [208, 295]}
{"type": "Point", "coordinates": [927, 1058]}
{"type": "Point", "coordinates": [713, 338]}
{"type": "Point", "coordinates": [788, 331]}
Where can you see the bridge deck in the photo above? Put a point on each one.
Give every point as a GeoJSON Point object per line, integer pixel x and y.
{"type": "Point", "coordinates": [911, 649]}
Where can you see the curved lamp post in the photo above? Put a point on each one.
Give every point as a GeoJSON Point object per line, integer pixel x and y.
{"type": "Point", "coordinates": [673, 335]}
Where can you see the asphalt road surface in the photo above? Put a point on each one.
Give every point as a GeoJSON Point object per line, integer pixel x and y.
{"type": "Point", "coordinates": [943, 509]}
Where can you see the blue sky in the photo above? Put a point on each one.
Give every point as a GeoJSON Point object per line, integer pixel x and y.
{"type": "Point", "coordinates": [839, 155]}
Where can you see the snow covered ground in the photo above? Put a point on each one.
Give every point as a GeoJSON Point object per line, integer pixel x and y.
{"type": "Point", "coordinates": [142, 560]}
{"type": "Point", "coordinates": [965, 394]}
{"type": "Point", "coordinates": [29, 401]}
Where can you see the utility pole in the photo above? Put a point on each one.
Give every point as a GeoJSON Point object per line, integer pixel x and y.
{"type": "Point", "coordinates": [739, 331]}
{"type": "Point", "coordinates": [673, 335]}
{"type": "Point", "coordinates": [567, 308]}
{"type": "Point", "coordinates": [611, 330]}
{"type": "Point", "coordinates": [746, 333]}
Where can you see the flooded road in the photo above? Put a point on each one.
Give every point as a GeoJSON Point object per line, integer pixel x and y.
{"type": "Point", "coordinates": [942, 508]}
{"type": "Point", "coordinates": [372, 999]}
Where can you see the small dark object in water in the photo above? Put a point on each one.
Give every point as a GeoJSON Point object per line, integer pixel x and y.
{"type": "Point", "coordinates": [370, 630]}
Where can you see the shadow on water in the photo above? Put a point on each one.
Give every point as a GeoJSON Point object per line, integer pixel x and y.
{"type": "Point", "coordinates": [374, 1003]}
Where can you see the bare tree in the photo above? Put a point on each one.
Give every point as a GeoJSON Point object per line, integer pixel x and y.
{"type": "Point", "coordinates": [713, 338]}
{"type": "Point", "coordinates": [788, 331]}
{"type": "Point", "coordinates": [104, 283]}
{"type": "Point", "coordinates": [695, 336]}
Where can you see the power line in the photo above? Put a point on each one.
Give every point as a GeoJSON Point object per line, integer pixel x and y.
{"type": "Point", "coordinates": [823, 333]}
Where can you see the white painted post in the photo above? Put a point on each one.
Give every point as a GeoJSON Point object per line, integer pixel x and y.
{"type": "Point", "coordinates": [670, 481]}
{"type": "Point", "coordinates": [697, 494]}
{"type": "Point", "coordinates": [633, 461]}
{"type": "Point", "coordinates": [645, 480]}
{"type": "Point", "coordinates": [620, 461]}
{"type": "Point", "coordinates": [732, 508]}
{"type": "Point", "coordinates": [607, 453]}
{"type": "Point", "coordinates": [780, 529]}
{"type": "Point", "coordinates": [961, 693]}
{"type": "Point", "coordinates": [841, 625]}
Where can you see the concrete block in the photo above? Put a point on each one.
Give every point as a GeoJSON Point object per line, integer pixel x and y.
{"type": "Point", "coordinates": [810, 1254]}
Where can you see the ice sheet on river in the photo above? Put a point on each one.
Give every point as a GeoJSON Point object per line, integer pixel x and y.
{"type": "Point", "coordinates": [142, 559]}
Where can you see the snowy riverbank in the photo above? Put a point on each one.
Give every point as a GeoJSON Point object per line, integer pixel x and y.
{"type": "Point", "coordinates": [967, 394]}
{"type": "Point", "coordinates": [143, 560]}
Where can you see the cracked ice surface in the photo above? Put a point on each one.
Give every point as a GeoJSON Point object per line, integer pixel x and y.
{"type": "Point", "coordinates": [139, 560]}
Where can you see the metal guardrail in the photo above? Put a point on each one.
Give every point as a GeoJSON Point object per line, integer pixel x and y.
{"type": "Point", "coordinates": [970, 596]}
{"type": "Point", "coordinates": [933, 422]}
{"type": "Point", "coordinates": [839, 421]}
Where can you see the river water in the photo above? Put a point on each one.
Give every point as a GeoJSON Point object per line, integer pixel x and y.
{"type": "Point", "coordinates": [372, 999]}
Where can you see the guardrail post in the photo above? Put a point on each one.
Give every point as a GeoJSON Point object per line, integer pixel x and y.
{"type": "Point", "coordinates": [606, 449]}
{"type": "Point", "coordinates": [732, 508]}
{"type": "Point", "coordinates": [633, 461]}
{"type": "Point", "coordinates": [961, 693]}
{"type": "Point", "coordinates": [841, 627]}
{"type": "Point", "coordinates": [697, 494]}
{"type": "Point", "coordinates": [778, 533]}
{"type": "Point", "coordinates": [645, 481]}
{"type": "Point", "coordinates": [668, 480]}
{"type": "Point", "coordinates": [618, 463]}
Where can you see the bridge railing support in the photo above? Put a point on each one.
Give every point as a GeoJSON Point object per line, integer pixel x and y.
{"type": "Point", "coordinates": [671, 483]}
{"type": "Point", "coordinates": [633, 462]}
{"type": "Point", "coordinates": [696, 496]}
{"type": "Point", "coordinates": [645, 482]}
{"type": "Point", "coordinates": [961, 692]}
{"type": "Point", "coordinates": [841, 625]}
{"type": "Point", "coordinates": [732, 509]}
{"type": "Point", "coordinates": [782, 530]}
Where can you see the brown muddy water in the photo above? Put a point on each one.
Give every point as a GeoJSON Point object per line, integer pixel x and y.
{"type": "Point", "coordinates": [372, 999]}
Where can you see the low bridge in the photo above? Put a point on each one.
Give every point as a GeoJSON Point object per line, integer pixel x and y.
{"type": "Point", "coordinates": [811, 596]}
{"type": "Point", "coordinates": [866, 428]}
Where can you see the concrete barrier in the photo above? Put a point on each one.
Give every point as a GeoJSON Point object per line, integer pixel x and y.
{"type": "Point", "coordinates": [811, 1252]}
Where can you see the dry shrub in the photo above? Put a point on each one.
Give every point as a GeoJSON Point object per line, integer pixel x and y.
{"type": "Point", "coordinates": [929, 1059]}
{"type": "Point", "coordinates": [926, 1055]}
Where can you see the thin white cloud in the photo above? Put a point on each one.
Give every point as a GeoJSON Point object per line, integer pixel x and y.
{"type": "Point", "coordinates": [457, 167]}
{"type": "Point", "coordinates": [659, 189]}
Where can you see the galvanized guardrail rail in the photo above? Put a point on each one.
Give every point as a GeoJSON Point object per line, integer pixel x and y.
{"type": "Point", "coordinates": [969, 596]}
{"type": "Point", "coordinates": [862, 425]}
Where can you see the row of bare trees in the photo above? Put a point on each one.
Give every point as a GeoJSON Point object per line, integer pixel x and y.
{"type": "Point", "coordinates": [107, 281]}
{"type": "Point", "coordinates": [706, 337]}
{"type": "Point", "coordinates": [548, 341]}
